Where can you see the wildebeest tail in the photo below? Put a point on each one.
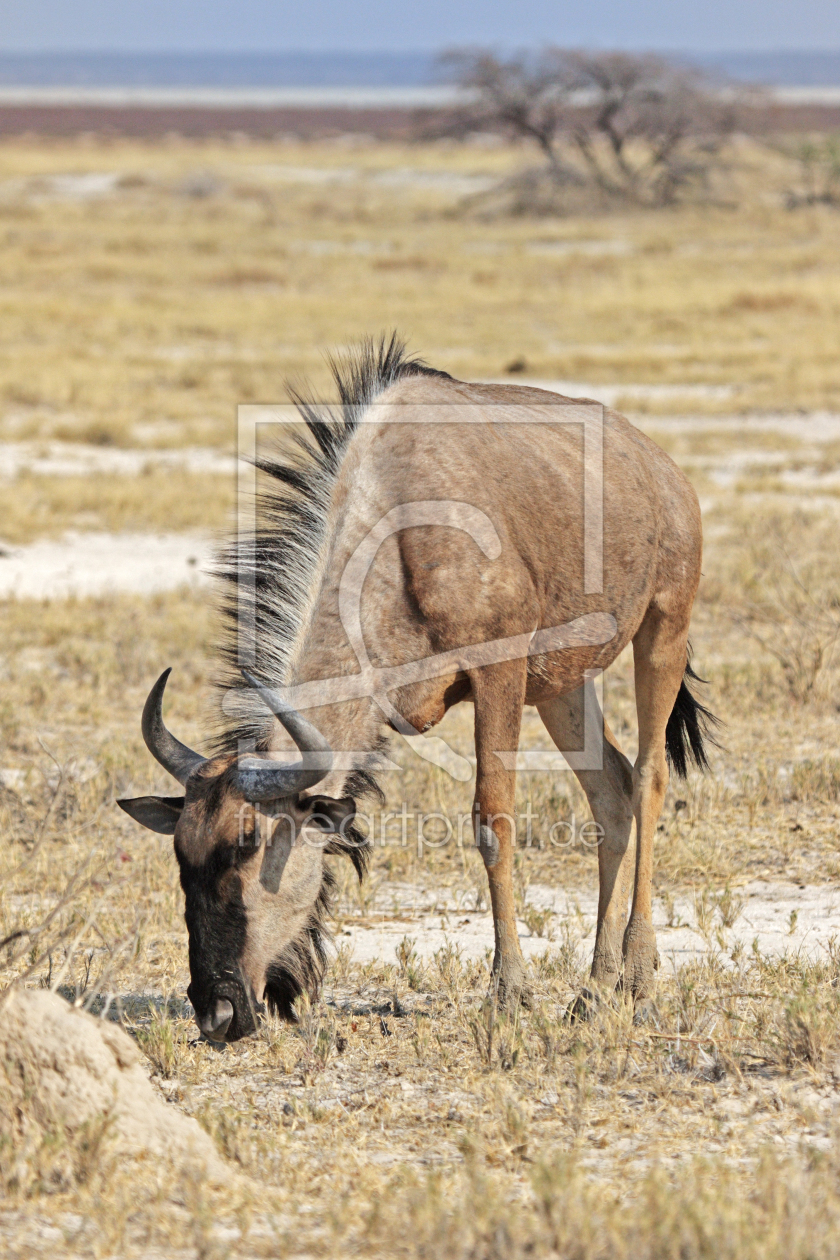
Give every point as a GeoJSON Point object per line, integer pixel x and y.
{"type": "Point", "coordinates": [690, 727]}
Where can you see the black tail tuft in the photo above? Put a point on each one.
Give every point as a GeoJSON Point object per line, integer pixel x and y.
{"type": "Point", "coordinates": [689, 728]}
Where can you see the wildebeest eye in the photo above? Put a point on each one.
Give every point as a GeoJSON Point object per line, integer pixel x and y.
{"type": "Point", "coordinates": [246, 846]}
{"type": "Point", "coordinates": [330, 815]}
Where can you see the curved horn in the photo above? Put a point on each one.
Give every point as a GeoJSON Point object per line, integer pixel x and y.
{"type": "Point", "coordinates": [174, 756]}
{"type": "Point", "coordinates": [260, 780]}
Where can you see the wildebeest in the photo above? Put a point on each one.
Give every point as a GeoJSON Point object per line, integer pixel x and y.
{"type": "Point", "coordinates": [478, 528]}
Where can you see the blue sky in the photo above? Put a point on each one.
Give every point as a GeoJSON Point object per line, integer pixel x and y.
{"type": "Point", "coordinates": [408, 25]}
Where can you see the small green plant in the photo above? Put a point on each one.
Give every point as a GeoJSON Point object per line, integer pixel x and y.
{"type": "Point", "coordinates": [409, 962]}
{"type": "Point", "coordinates": [316, 1029]}
{"type": "Point", "coordinates": [811, 1028]}
{"type": "Point", "coordinates": [672, 919]}
{"type": "Point", "coordinates": [539, 922]}
{"type": "Point", "coordinates": [515, 1129]}
{"type": "Point", "coordinates": [342, 961]}
{"type": "Point", "coordinates": [497, 1036]}
{"type": "Point", "coordinates": [521, 882]}
{"type": "Point", "coordinates": [160, 1043]}
{"type": "Point", "coordinates": [729, 906]}
{"type": "Point", "coordinates": [549, 1033]}
{"type": "Point", "coordinates": [420, 1038]}
{"type": "Point", "coordinates": [449, 965]}
{"type": "Point", "coordinates": [704, 910]}
{"type": "Point", "coordinates": [366, 890]}
{"type": "Point", "coordinates": [819, 173]}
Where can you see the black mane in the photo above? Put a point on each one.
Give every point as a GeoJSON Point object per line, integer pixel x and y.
{"type": "Point", "coordinates": [278, 563]}
{"type": "Point", "coordinates": [279, 560]}
{"type": "Point", "coordinates": [300, 967]}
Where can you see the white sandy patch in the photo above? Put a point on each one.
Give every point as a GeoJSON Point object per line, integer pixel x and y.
{"type": "Point", "coordinates": [86, 186]}
{"type": "Point", "coordinates": [459, 185]}
{"type": "Point", "coordinates": [395, 177]}
{"type": "Point", "coordinates": [812, 426]}
{"type": "Point", "coordinates": [287, 173]}
{"type": "Point", "coordinates": [610, 395]}
{"type": "Point", "coordinates": [74, 459]}
{"type": "Point", "coordinates": [611, 247]}
{"type": "Point", "coordinates": [765, 917]}
{"type": "Point", "coordinates": [96, 563]}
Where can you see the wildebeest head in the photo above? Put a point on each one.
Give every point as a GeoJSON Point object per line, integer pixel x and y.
{"type": "Point", "coordinates": [249, 840]}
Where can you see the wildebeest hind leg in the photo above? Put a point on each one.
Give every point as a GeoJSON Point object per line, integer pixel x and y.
{"type": "Point", "coordinates": [659, 656]}
{"type": "Point", "coordinates": [609, 791]}
{"type": "Point", "coordinates": [499, 694]}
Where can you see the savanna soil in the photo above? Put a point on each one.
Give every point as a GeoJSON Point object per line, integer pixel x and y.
{"type": "Point", "coordinates": [149, 291]}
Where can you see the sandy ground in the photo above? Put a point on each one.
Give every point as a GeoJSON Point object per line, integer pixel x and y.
{"type": "Point", "coordinates": [775, 918]}
{"type": "Point", "coordinates": [78, 459]}
{"type": "Point", "coordinates": [95, 563]}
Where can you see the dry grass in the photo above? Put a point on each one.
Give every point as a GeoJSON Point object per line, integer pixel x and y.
{"type": "Point", "coordinates": [209, 274]}
{"type": "Point", "coordinates": [401, 1101]}
{"type": "Point", "coordinates": [156, 500]}
{"type": "Point", "coordinates": [401, 1117]}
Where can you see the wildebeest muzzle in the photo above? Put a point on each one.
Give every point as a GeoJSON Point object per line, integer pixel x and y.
{"type": "Point", "coordinates": [226, 1011]}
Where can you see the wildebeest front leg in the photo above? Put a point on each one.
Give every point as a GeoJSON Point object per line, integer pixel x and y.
{"type": "Point", "coordinates": [499, 694]}
{"type": "Point", "coordinates": [609, 791]}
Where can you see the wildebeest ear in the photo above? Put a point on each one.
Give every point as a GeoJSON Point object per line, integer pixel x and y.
{"type": "Point", "coordinates": [158, 813]}
{"type": "Point", "coordinates": [330, 815]}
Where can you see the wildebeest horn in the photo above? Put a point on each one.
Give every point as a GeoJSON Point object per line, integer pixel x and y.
{"type": "Point", "coordinates": [260, 780]}
{"type": "Point", "coordinates": [174, 756]}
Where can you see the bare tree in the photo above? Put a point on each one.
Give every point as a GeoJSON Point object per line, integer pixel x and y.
{"type": "Point", "coordinates": [526, 98]}
{"type": "Point", "coordinates": [633, 127]}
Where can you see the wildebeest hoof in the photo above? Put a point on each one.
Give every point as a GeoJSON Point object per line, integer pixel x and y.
{"type": "Point", "coordinates": [508, 997]}
{"type": "Point", "coordinates": [584, 1007]}
{"type": "Point", "coordinates": [526, 996]}
{"type": "Point", "coordinates": [641, 958]}
{"type": "Point", "coordinates": [509, 988]}
{"type": "Point", "coordinates": [645, 1012]}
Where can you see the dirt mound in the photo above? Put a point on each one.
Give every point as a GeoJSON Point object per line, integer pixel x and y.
{"type": "Point", "coordinates": [71, 1081]}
